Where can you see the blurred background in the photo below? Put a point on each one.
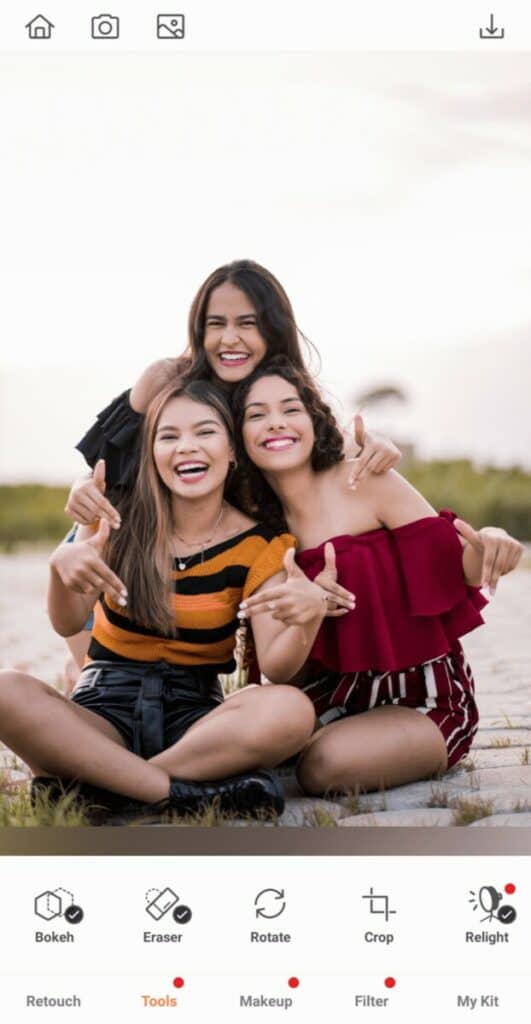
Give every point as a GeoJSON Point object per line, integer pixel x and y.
{"type": "Point", "coordinates": [388, 193]}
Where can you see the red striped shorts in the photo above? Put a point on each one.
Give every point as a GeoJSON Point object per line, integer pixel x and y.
{"type": "Point", "coordinates": [442, 689]}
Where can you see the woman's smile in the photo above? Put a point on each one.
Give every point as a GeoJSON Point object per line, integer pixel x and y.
{"type": "Point", "coordinates": [279, 444]}
{"type": "Point", "coordinates": [191, 472]}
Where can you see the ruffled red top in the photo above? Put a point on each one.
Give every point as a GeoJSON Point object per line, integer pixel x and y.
{"type": "Point", "coordinates": [412, 603]}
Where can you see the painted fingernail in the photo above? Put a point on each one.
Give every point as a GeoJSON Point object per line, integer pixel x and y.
{"type": "Point", "coordinates": [122, 602]}
{"type": "Point", "coordinates": [243, 604]}
{"type": "Point", "coordinates": [241, 615]}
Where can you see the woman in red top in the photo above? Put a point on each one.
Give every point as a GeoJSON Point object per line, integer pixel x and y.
{"type": "Point", "coordinates": [413, 578]}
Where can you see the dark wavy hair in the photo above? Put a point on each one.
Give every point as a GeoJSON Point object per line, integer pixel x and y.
{"type": "Point", "coordinates": [274, 315]}
{"type": "Point", "coordinates": [255, 494]}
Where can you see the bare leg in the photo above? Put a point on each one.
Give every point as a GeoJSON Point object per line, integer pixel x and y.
{"type": "Point", "coordinates": [259, 726]}
{"type": "Point", "coordinates": [387, 746]}
{"type": "Point", "coordinates": [45, 729]}
{"type": "Point", "coordinates": [57, 737]}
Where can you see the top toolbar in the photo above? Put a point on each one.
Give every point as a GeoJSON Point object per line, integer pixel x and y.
{"type": "Point", "coordinates": [278, 25]}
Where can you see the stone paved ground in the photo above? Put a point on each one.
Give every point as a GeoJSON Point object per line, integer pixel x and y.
{"type": "Point", "coordinates": [491, 788]}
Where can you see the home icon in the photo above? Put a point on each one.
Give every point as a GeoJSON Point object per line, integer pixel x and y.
{"type": "Point", "coordinates": [39, 27]}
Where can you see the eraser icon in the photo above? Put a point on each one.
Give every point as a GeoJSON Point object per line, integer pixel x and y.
{"type": "Point", "coordinates": [164, 901]}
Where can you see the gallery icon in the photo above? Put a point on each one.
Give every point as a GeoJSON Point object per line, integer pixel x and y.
{"type": "Point", "coordinates": [170, 26]}
{"type": "Point", "coordinates": [58, 903]}
{"type": "Point", "coordinates": [39, 27]}
{"type": "Point", "coordinates": [105, 26]}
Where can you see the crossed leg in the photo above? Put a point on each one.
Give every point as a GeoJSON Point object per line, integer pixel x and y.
{"type": "Point", "coordinates": [54, 736]}
{"type": "Point", "coordinates": [387, 746]}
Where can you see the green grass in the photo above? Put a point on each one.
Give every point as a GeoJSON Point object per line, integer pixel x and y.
{"type": "Point", "coordinates": [466, 811]}
{"type": "Point", "coordinates": [16, 810]}
{"type": "Point", "coordinates": [32, 513]}
{"type": "Point", "coordinates": [483, 495]}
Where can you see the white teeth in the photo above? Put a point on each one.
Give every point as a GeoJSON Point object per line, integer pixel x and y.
{"type": "Point", "coordinates": [191, 467]}
{"type": "Point", "coordinates": [232, 357]}
{"type": "Point", "coordinates": [280, 444]}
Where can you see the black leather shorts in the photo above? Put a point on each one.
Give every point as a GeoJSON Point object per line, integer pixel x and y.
{"type": "Point", "coordinates": [152, 704]}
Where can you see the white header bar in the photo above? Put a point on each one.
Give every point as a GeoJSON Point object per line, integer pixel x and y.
{"type": "Point", "coordinates": [170, 26]}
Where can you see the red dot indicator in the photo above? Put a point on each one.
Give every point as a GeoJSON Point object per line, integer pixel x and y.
{"type": "Point", "coordinates": [293, 982]}
{"type": "Point", "coordinates": [390, 982]}
{"type": "Point", "coordinates": [510, 888]}
{"type": "Point", "coordinates": [178, 982]}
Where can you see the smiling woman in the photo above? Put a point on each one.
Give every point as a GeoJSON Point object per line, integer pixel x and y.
{"type": "Point", "coordinates": [147, 720]}
{"type": "Point", "coordinates": [386, 673]}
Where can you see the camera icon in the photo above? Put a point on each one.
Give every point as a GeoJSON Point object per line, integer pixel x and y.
{"type": "Point", "coordinates": [105, 26]}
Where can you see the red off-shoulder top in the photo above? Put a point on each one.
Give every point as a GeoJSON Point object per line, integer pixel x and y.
{"type": "Point", "coordinates": [412, 603]}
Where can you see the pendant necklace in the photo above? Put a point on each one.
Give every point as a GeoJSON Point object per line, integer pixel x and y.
{"type": "Point", "coordinates": [182, 563]}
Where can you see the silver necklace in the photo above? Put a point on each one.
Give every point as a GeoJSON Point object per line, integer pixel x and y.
{"type": "Point", "coordinates": [182, 563]}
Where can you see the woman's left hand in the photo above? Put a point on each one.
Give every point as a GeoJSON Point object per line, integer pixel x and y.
{"type": "Point", "coordinates": [499, 552]}
{"type": "Point", "coordinates": [295, 602]}
{"type": "Point", "coordinates": [376, 455]}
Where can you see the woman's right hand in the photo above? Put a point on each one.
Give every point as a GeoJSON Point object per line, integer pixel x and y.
{"type": "Point", "coordinates": [87, 502]}
{"type": "Point", "coordinates": [81, 567]}
{"type": "Point", "coordinates": [340, 600]}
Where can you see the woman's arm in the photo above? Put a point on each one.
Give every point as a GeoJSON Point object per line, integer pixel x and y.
{"type": "Point", "coordinates": [78, 575]}
{"type": "Point", "coordinates": [487, 554]}
{"type": "Point", "coordinates": [286, 613]}
{"type": "Point", "coordinates": [153, 380]}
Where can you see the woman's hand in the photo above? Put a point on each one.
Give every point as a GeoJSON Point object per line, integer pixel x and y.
{"type": "Point", "coordinates": [86, 501]}
{"type": "Point", "coordinates": [496, 552]}
{"type": "Point", "coordinates": [376, 455]}
{"type": "Point", "coordinates": [81, 568]}
{"type": "Point", "coordinates": [340, 601]}
{"type": "Point", "coordinates": [295, 602]}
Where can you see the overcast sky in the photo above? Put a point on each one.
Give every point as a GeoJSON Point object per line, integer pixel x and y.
{"type": "Point", "coordinates": [389, 193]}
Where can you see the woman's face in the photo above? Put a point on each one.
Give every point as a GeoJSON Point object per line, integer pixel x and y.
{"type": "Point", "coordinates": [232, 342]}
{"type": "Point", "coordinates": [277, 430]}
{"type": "Point", "coordinates": [192, 449]}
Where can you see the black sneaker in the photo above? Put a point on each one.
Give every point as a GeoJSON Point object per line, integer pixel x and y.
{"type": "Point", "coordinates": [255, 794]}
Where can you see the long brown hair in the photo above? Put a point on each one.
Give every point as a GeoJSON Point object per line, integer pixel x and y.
{"type": "Point", "coordinates": [256, 496]}
{"type": "Point", "coordinates": [140, 551]}
{"type": "Point", "coordinates": [274, 315]}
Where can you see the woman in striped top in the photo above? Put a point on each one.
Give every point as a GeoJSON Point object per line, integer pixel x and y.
{"type": "Point", "coordinates": [147, 719]}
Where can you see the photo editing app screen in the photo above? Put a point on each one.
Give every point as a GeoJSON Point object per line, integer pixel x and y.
{"type": "Point", "coordinates": [265, 530]}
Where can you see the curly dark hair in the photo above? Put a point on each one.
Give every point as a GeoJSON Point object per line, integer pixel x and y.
{"type": "Point", "coordinates": [255, 494]}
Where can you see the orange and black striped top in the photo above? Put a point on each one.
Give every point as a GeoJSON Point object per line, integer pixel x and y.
{"type": "Point", "coordinates": [205, 598]}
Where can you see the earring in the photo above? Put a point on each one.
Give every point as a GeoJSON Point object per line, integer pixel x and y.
{"type": "Point", "coordinates": [233, 465]}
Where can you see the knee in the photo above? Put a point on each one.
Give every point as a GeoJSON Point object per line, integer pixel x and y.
{"type": "Point", "coordinates": [280, 721]}
{"type": "Point", "coordinates": [17, 688]}
{"type": "Point", "coordinates": [11, 682]}
{"type": "Point", "coordinates": [291, 715]}
{"type": "Point", "coordinates": [319, 770]}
